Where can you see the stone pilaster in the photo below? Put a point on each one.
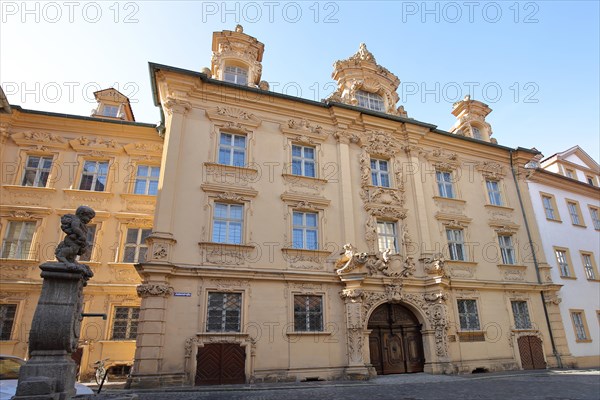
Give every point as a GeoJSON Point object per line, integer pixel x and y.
{"type": "Point", "coordinates": [356, 334]}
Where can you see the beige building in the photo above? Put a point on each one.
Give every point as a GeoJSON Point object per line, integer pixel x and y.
{"type": "Point", "coordinates": [52, 163]}
{"type": "Point", "coordinates": [248, 275]}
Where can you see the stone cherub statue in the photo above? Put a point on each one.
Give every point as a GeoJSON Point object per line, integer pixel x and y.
{"type": "Point", "coordinates": [75, 242]}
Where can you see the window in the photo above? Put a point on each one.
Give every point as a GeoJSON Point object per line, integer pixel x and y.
{"type": "Point", "coordinates": [135, 245]}
{"type": "Point", "coordinates": [369, 100]}
{"type": "Point", "coordinates": [493, 188]}
{"type": "Point", "coordinates": [579, 325]}
{"type": "Point", "coordinates": [232, 150]}
{"type": "Point", "coordinates": [235, 74]}
{"type": "Point", "coordinates": [305, 231]}
{"type": "Point", "coordinates": [444, 182]}
{"type": "Point", "coordinates": [506, 249]}
{"type": "Point", "coordinates": [303, 161]}
{"type": "Point", "coordinates": [227, 223]}
{"type": "Point", "coordinates": [17, 241]}
{"type": "Point", "coordinates": [476, 133]}
{"type": "Point", "coordinates": [380, 174]}
{"type": "Point", "coordinates": [467, 314]}
{"type": "Point", "coordinates": [563, 263]}
{"type": "Point", "coordinates": [224, 312]}
{"type": "Point", "coordinates": [550, 207]}
{"type": "Point", "coordinates": [91, 236]}
{"type": "Point", "coordinates": [589, 266]}
{"type": "Point", "coordinates": [7, 320]}
{"type": "Point", "coordinates": [110, 111]}
{"type": "Point", "coordinates": [125, 323]}
{"type": "Point", "coordinates": [456, 244]}
{"type": "Point", "coordinates": [36, 171]}
{"type": "Point", "coordinates": [308, 313]}
{"type": "Point", "coordinates": [146, 180]}
{"type": "Point", "coordinates": [590, 180]}
{"type": "Point", "coordinates": [521, 314]}
{"type": "Point", "coordinates": [570, 173]}
{"type": "Point", "coordinates": [595, 214]}
{"type": "Point", "coordinates": [387, 236]}
{"type": "Point", "coordinates": [574, 212]}
{"type": "Point", "coordinates": [94, 176]}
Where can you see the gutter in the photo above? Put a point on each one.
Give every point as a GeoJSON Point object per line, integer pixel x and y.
{"type": "Point", "coordinates": [535, 261]}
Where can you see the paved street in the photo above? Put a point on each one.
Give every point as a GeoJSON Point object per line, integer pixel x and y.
{"type": "Point", "coordinates": [529, 385]}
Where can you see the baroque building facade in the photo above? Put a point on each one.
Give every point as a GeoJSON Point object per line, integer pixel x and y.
{"type": "Point", "coordinates": [295, 239]}
{"type": "Point", "coordinates": [51, 164]}
{"type": "Point", "coordinates": [566, 200]}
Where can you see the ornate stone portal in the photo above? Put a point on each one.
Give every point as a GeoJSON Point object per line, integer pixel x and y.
{"type": "Point", "coordinates": [50, 372]}
{"type": "Point", "coordinates": [353, 268]}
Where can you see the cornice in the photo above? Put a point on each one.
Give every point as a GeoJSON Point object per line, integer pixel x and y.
{"type": "Point", "coordinates": [558, 181]}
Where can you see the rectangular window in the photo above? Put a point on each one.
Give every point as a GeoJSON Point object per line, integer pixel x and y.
{"type": "Point", "coordinates": [574, 212]}
{"type": "Point", "coordinates": [590, 180]}
{"type": "Point", "coordinates": [303, 161]}
{"type": "Point", "coordinates": [232, 150]}
{"type": "Point", "coordinates": [125, 323]}
{"type": "Point", "coordinates": [467, 314]}
{"type": "Point", "coordinates": [94, 176]}
{"type": "Point", "coordinates": [380, 174]}
{"type": "Point", "coordinates": [17, 240]}
{"type": "Point", "coordinates": [224, 312]}
{"type": "Point", "coordinates": [493, 188]}
{"type": "Point", "coordinates": [588, 265]}
{"type": "Point", "coordinates": [387, 236]}
{"type": "Point", "coordinates": [549, 207]}
{"type": "Point", "coordinates": [110, 111]}
{"type": "Point", "coordinates": [445, 185]}
{"type": "Point", "coordinates": [228, 221]}
{"type": "Point", "coordinates": [456, 244]}
{"type": "Point", "coordinates": [308, 313]}
{"type": "Point", "coordinates": [521, 314]}
{"type": "Point", "coordinates": [135, 245]}
{"type": "Point", "coordinates": [506, 249]}
{"type": "Point", "coordinates": [570, 173]}
{"type": "Point", "coordinates": [36, 171]}
{"type": "Point", "coordinates": [7, 320]}
{"type": "Point", "coordinates": [146, 180]}
{"type": "Point", "coordinates": [370, 100]}
{"type": "Point", "coordinates": [579, 325]}
{"type": "Point", "coordinates": [91, 237]}
{"type": "Point", "coordinates": [563, 264]}
{"type": "Point", "coordinates": [595, 214]}
{"type": "Point", "coordinates": [305, 231]}
{"type": "Point", "coordinates": [235, 74]}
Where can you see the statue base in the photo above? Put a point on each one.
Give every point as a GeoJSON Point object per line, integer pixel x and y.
{"type": "Point", "coordinates": [47, 376]}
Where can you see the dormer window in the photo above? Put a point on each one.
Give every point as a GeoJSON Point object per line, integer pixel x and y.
{"type": "Point", "coordinates": [369, 100]}
{"type": "Point", "coordinates": [476, 133]}
{"type": "Point", "coordinates": [110, 111]}
{"type": "Point", "coordinates": [235, 74]}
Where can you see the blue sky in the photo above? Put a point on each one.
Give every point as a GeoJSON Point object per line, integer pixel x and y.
{"type": "Point", "coordinates": [536, 64]}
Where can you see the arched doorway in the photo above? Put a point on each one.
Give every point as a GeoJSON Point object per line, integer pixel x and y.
{"type": "Point", "coordinates": [395, 341]}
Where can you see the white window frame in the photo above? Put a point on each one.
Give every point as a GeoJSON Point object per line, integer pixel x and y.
{"type": "Point", "coordinates": [370, 101]}
{"type": "Point", "coordinates": [235, 74]}
{"type": "Point", "coordinates": [387, 234]}
{"type": "Point", "coordinates": [579, 324]}
{"type": "Point", "coordinates": [507, 249]}
{"type": "Point", "coordinates": [445, 184]}
{"type": "Point", "coordinates": [378, 173]}
{"type": "Point", "coordinates": [223, 311]}
{"type": "Point", "coordinates": [303, 160]}
{"type": "Point", "coordinates": [573, 208]}
{"type": "Point", "coordinates": [111, 107]}
{"type": "Point", "coordinates": [494, 192]}
{"type": "Point", "coordinates": [588, 266]}
{"type": "Point", "coordinates": [549, 210]}
{"type": "Point", "coordinates": [146, 179]}
{"type": "Point", "coordinates": [231, 149]}
{"type": "Point", "coordinates": [20, 240]}
{"type": "Point", "coordinates": [229, 222]}
{"type": "Point", "coordinates": [37, 171]}
{"type": "Point", "coordinates": [304, 228]}
{"type": "Point", "coordinates": [95, 175]}
{"type": "Point", "coordinates": [465, 315]}
{"type": "Point", "coordinates": [595, 215]}
{"type": "Point", "coordinates": [562, 259]}
{"type": "Point", "coordinates": [137, 246]}
{"type": "Point", "coordinates": [456, 244]}
{"type": "Point", "coordinates": [521, 314]}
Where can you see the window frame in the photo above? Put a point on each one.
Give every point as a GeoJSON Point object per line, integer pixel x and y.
{"type": "Point", "coordinates": [110, 106]}
{"type": "Point", "coordinates": [231, 149]}
{"type": "Point", "coordinates": [82, 173]}
{"type": "Point", "coordinates": [128, 325]}
{"type": "Point", "coordinates": [583, 329]}
{"type": "Point", "coordinates": [516, 320]}
{"type": "Point", "coordinates": [236, 74]}
{"type": "Point", "coordinates": [386, 235]}
{"type": "Point", "coordinates": [240, 310]}
{"type": "Point", "coordinates": [570, 173]}
{"type": "Point", "coordinates": [305, 228]}
{"type": "Point", "coordinates": [38, 170]}
{"type": "Point", "coordinates": [506, 251]}
{"type": "Point", "coordinates": [498, 193]}
{"type": "Point", "coordinates": [595, 211]}
{"type": "Point", "coordinates": [3, 320]}
{"type": "Point", "coordinates": [147, 179]}
{"type": "Point", "coordinates": [377, 174]}
{"type": "Point", "coordinates": [476, 133]}
{"type": "Point", "coordinates": [460, 313]}
{"type": "Point", "coordinates": [569, 263]}
{"type": "Point", "coordinates": [591, 178]}
{"type": "Point", "coordinates": [454, 245]}
{"type": "Point", "coordinates": [365, 99]}
{"type": "Point", "coordinates": [228, 221]}
{"type": "Point", "coordinates": [137, 246]}
{"type": "Point", "coordinates": [551, 206]}
{"type": "Point", "coordinates": [443, 185]}
{"type": "Point", "coordinates": [303, 160]}
{"type": "Point", "coordinates": [591, 267]}
{"type": "Point", "coordinates": [93, 244]}
{"type": "Point", "coordinates": [307, 312]}
{"type": "Point", "coordinates": [31, 251]}
{"type": "Point", "coordinates": [575, 212]}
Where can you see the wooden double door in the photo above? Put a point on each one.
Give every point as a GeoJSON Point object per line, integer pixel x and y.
{"type": "Point", "coordinates": [220, 364]}
{"type": "Point", "coordinates": [395, 342]}
{"type": "Point", "coordinates": [531, 352]}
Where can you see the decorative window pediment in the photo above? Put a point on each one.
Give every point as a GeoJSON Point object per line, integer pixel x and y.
{"type": "Point", "coordinates": [40, 140]}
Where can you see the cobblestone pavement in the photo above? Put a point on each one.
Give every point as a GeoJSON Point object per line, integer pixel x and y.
{"type": "Point", "coordinates": [518, 385]}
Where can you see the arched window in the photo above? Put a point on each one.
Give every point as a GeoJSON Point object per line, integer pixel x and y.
{"type": "Point", "coordinates": [476, 133]}
{"type": "Point", "coordinates": [235, 74]}
{"type": "Point", "coordinates": [370, 100]}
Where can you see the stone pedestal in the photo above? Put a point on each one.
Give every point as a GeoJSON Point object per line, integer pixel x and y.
{"type": "Point", "coordinates": [50, 372]}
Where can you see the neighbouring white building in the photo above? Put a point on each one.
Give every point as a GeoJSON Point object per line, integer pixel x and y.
{"type": "Point", "coordinates": [566, 202]}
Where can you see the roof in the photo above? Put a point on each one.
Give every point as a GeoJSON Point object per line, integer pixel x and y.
{"type": "Point", "coordinates": [575, 150]}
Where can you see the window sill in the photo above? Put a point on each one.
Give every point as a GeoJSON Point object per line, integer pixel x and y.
{"type": "Point", "coordinates": [226, 246]}
{"type": "Point", "coordinates": [459, 262]}
{"type": "Point", "coordinates": [237, 334]}
{"type": "Point", "coordinates": [524, 330]}
{"type": "Point", "coordinates": [450, 199]}
{"type": "Point", "coordinates": [583, 340]}
{"type": "Point", "coordinates": [572, 278]}
{"type": "Point", "coordinates": [292, 178]}
{"type": "Point", "coordinates": [580, 225]}
{"type": "Point", "coordinates": [594, 280]}
{"type": "Point", "coordinates": [309, 333]}
{"type": "Point", "coordinates": [87, 192]}
{"type": "Point", "coordinates": [515, 266]}
{"type": "Point", "coordinates": [292, 250]}
{"type": "Point", "coordinates": [22, 260]}
{"type": "Point", "coordinates": [117, 341]}
{"type": "Point", "coordinates": [554, 220]}
{"type": "Point", "coordinates": [494, 206]}
{"type": "Point", "coordinates": [44, 189]}
{"type": "Point", "coordinates": [214, 167]}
